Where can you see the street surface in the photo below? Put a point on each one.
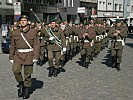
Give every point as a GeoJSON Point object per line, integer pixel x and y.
{"type": "Point", "coordinates": [98, 82]}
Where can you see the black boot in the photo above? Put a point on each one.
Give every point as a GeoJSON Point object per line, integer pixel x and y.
{"type": "Point", "coordinates": [41, 62]}
{"type": "Point", "coordinates": [61, 69]}
{"type": "Point", "coordinates": [118, 66]}
{"type": "Point", "coordinates": [26, 93]}
{"type": "Point", "coordinates": [56, 72]}
{"type": "Point", "coordinates": [91, 57]}
{"type": "Point", "coordinates": [51, 71]}
{"type": "Point", "coordinates": [21, 89]}
{"type": "Point", "coordinates": [86, 65]}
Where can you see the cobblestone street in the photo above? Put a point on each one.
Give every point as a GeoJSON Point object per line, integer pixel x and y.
{"type": "Point", "coordinates": [98, 82]}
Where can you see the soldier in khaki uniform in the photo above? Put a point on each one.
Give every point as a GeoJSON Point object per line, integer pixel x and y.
{"type": "Point", "coordinates": [117, 34]}
{"type": "Point", "coordinates": [98, 38]}
{"type": "Point", "coordinates": [87, 37]}
{"type": "Point", "coordinates": [54, 49]}
{"type": "Point", "coordinates": [67, 31]}
{"type": "Point", "coordinates": [24, 55]}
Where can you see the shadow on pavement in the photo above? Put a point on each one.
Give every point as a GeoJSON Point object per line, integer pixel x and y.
{"type": "Point", "coordinates": [36, 84]}
{"type": "Point", "coordinates": [79, 62]}
{"type": "Point", "coordinates": [130, 44]}
{"type": "Point", "coordinates": [107, 59]}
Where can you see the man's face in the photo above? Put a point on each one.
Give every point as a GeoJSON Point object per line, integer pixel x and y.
{"type": "Point", "coordinates": [24, 22]}
{"type": "Point", "coordinates": [53, 24]}
{"type": "Point", "coordinates": [66, 23]}
{"type": "Point", "coordinates": [118, 24]}
{"type": "Point", "coordinates": [92, 21]}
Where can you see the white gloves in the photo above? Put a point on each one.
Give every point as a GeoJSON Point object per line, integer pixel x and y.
{"type": "Point", "coordinates": [11, 61]}
{"type": "Point", "coordinates": [34, 60]}
{"type": "Point", "coordinates": [51, 38]}
{"type": "Point", "coordinates": [64, 49]}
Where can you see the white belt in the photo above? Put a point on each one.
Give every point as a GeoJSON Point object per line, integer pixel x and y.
{"type": "Point", "coordinates": [106, 34]}
{"type": "Point", "coordinates": [97, 38]}
{"type": "Point", "coordinates": [66, 42]}
{"type": "Point", "coordinates": [101, 36]}
{"type": "Point", "coordinates": [25, 50]}
{"type": "Point", "coordinates": [86, 41]}
{"type": "Point", "coordinates": [70, 40]}
{"type": "Point", "coordinates": [92, 42]}
{"type": "Point", "coordinates": [75, 37]}
{"type": "Point", "coordinates": [123, 43]}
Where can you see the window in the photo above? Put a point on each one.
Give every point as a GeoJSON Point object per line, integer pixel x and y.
{"type": "Point", "coordinates": [109, 3]}
{"type": "Point", "coordinates": [72, 3]}
{"type": "Point", "coordinates": [65, 3]}
{"type": "Point", "coordinates": [132, 9]}
{"type": "Point", "coordinates": [58, 1]}
{"type": "Point", "coordinates": [120, 7]}
{"type": "Point", "coordinates": [19, 0]}
{"type": "Point", "coordinates": [44, 2]}
{"type": "Point", "coordinates": [116, 6]}
{"type": "Point", "coordinates": [128, 8]}
{"type": "Point", "coordinates": [52, 2]}
{"type": "Point", "coordinates": [9, 1]}
{"type": "Point", "coordinates": [38, 1]}
{"type": "Point", "coordinates": [69, 3]}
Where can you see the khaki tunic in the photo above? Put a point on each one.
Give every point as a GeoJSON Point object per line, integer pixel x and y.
{"type": "Point", "coordinates": [17, 42]}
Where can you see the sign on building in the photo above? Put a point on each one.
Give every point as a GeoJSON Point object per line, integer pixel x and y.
{"type": "Point", "coordinates": [81, 10]}
{"type": "Point", "coordinates": [17, 8]}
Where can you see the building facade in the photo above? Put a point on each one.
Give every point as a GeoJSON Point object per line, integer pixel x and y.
{"type": "Point", "coordinates": [6, 11]}
{"type": "Point", "coordinates": [90, 9]}
{"type": "Point", "coordinates": [110, 8]}
{"type": "Point", "coordinates": [127, 8]}
{"type": "Point", "coordinates": [47, 10]}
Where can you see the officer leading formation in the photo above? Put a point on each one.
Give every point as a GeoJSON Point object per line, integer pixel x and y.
{"type": "Point", "coordinates": [58, 42]}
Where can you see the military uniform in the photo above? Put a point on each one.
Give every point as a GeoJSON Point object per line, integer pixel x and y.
{"type": "Point", "coordinates": [117, 44]}
{"type": "Point", "coordinates": [54, 50]}
{"type": "Point", "coordinates": [98, 39]}
{"type": "Point", "coordinates": [21, 54]}
{"type": "Point", "coordinates": [67, 31]}
{"type": "Point", "coordinates": [87, 37]}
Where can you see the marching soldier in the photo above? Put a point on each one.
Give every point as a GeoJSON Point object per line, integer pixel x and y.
{"type": "Point", "coordinates": [56, 40]}
{"type": "Point", "coordinates": [24, 52]}
{"type": "Point", "coordinates": [67, 31]}
{"type": "Point", "coordinates": [98, 38]}
{"type": "Point", "coordinates": [91, 27]}
{"type": "Point", "coordinates": [87, 37]}
{"type": "Point", "coordinates": [117, 34]}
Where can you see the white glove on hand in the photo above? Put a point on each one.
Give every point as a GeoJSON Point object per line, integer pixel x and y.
{"type": "Point", "coordinates": [51, 38]}
{"type": "Point", "coordinates": [34, 60]}
{"type": "Point", "coordinates": [64, 49]}
{"type": "Point", "coordinates": [11, 61]}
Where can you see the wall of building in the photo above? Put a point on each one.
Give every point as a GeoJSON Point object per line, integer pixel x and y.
{"type": "Point", "coordinates": [126, 8]}
{"type": "Point", "coordinates": [6, 12]}
{"type": "Point", "coordinates": [110, 8]}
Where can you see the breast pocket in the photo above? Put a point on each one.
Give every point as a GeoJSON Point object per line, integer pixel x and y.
{"type": "Point", "coordinates": [30, 39]}
{"type": "Point", "coordinates": [17, 38]}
